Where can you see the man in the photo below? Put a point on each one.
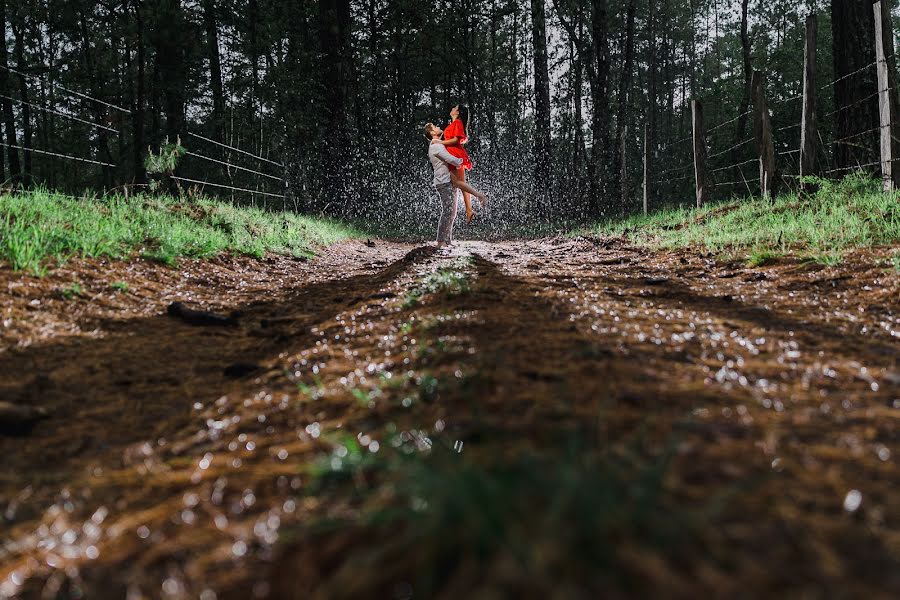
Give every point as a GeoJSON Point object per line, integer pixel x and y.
{"type": "Point", "coordinates": [440, 159]}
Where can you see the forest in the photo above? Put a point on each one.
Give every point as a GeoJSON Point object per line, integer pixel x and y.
{"type": "Point", "coordinates": [320, 103]}
{"type": "Point", "coordinates": [656, 355]}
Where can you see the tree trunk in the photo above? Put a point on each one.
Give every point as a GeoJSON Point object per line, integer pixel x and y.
{"type": "Point", "coordinates": [624, 100]}
{"type": "Point", "coordinates": [652, 85]}
{"type": "Point", "coordinates": [748, 72]}
{"type": "Point", "coordinates": [168, 39]}
{"type": "Point", "coordinates": [211, 22]}
{"type": "Point", "coordinates": [24, 96]}
{"type": "Point", "coordinates": [541, 95]}
{"type": "Point", "coordinates": [334, 44]}
{"type": "Point", "coordinates": [137, 107]}
{"type": "Point", "coordinates": [99, 113]}
{"type": "Point", "coordinates": [15, 170]}
{"type": "Point", "coordinates": [600, 98]}
{"type": "Point", "coordinates": [853, 29]}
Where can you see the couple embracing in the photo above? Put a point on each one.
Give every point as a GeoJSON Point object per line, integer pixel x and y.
{"type": "Point", "coordinates": [450, 162]}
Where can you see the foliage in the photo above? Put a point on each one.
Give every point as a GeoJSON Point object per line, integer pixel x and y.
{"type": "Point", "coordinates": [39, 227]}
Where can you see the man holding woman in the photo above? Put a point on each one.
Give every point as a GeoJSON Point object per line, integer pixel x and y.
{"type": "Point", "coordinates": [450, 162]}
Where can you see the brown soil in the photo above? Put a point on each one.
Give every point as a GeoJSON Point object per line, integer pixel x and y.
{"type": "Point", "coordinates": [774, 391]}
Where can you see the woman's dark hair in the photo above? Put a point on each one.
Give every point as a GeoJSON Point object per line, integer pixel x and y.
{"type": "Point", "coordinates": [464, 117]}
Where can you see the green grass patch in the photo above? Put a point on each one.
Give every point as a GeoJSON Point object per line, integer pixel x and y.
{"type": "Point", "coordinates": [73, 290]}
{"type": "Point", "coordinates": [38, 228]}
{"type": "Point", "coordinates": [561, 514]}
{"type": "Point", "coordinates": [851, 213]}
{"type": "Point", "coordinates": [452, 280]}
{"type": "Point", "coordinates": [119, 286]}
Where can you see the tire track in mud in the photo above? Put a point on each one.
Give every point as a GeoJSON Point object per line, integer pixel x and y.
{"type": "Point", "coordinates": [150, 480]}
{"type": "Point", "coordinates": [540, 348]}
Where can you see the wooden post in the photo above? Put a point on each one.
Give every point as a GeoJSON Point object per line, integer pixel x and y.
{"type": "Point", "coordinates": [762, 125]}
{"type": "Point", "coordinates": [699, 152]}
{"type": "Point", "coordinates": [884, 53]}
{"type": "Point", "coordinates": [809, 126]}
{"type": "Point", "coordinates": [646, 167]}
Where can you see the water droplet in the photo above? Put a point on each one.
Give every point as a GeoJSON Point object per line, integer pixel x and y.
{"type": "Point", "coordinates": [852, 501]}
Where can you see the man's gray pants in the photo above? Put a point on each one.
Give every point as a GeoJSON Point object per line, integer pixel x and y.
{"type": "Point", "coordinates": [447, 196]}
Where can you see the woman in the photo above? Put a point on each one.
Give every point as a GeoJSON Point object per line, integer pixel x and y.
{"type": "Point", "coordinates": [455, 137]}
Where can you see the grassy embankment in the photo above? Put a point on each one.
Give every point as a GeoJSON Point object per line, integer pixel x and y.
{"type": "Point", "coordinates": [853, 213]}
{"type": "Point", "coordinates": [41, 228]}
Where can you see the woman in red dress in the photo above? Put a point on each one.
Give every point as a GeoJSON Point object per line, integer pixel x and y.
{"type": "Point", "coordinates": [455, 137]}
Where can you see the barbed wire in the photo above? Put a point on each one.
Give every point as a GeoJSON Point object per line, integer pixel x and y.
{"type": "Point", "coordinates": [784, 100]}
{"type": "Point", "coordinates": [742, 181]}
{"type": "Point", "coordinates": [675, 143]}
{"type": "Point", "coordinates": [79, 94]}
{"type": "Point", "coordinates": [57, 155]}
{"type": "Point", "coordinates": [848, 75]}
{"type": "Point", "coordinates": [729, 122]}
{"type": "Point", "coordinates": [227, 164]}
{"type": "Point", "coordinates": [857, 103]}
{"type": "Point", "coordinates": [786, 127]}
{"type": "Point", "coordinates": [676, 170]}
{"type": "Point", "coordinates": [61, 114]}
{"type": "Point", "coordinates": [228, 187]}
{"type": "Point", "coordinates": [740, 164]}
{"type": "Point", "coordinates": [735, 147]}
{"type": "Point", "coordinates": [854, 167]}
{"type": "Point", "coordinates": [211, 141]}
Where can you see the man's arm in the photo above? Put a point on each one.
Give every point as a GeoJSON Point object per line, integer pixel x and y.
{"type": "Point", "coordinates": [449, 158]}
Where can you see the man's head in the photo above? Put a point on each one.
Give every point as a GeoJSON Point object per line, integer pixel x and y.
{"type": "Point", "coordinates": [432, 131]}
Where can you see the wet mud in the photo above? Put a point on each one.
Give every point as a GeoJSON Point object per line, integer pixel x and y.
{"type": "Point", "coordinates": [191, 461]}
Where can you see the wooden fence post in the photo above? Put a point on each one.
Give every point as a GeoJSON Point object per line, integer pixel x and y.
{"type": "Point", "coordinates": [809, 124]}
{"type": "Point", "coordinates": [699, 152]}
{"type": "Point", "coordinates": [646, 167]}
{"type": "Point", "coordinates": [884, 55]}
{"type": "Point", "coordinates": [763, 128]}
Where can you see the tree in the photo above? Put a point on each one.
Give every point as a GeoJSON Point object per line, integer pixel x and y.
{"type": "Point", "coordinates": [12, 154]}
{"type": "Point", "coordinates": [853, 44]}
{"type": "Point", "coordinates": [541, 95]}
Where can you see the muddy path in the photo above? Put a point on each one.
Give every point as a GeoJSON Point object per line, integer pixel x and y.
{"type": "Point", "coordinates": [737, 425]}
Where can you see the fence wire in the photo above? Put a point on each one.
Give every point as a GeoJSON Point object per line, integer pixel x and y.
{"type": "Point", "coordinates": [57, 155]}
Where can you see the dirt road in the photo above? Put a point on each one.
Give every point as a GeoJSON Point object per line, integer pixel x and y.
{"type": "Point", "coordinates": [729, 431]}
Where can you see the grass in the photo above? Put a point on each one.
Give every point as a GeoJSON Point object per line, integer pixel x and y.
{"type": "Point", "coordinates": [558, 515]}
{"type": "Point", "coordinates": [451, 280]}
{"type": "Point", "coordinates": [39, 228]}
{"type": "Point", "coordinates": [852, 213]}
{"type": "Point", "coordinates": [73, 290]}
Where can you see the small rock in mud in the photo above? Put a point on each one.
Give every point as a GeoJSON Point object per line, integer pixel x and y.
{"type": "Point", "coordinates": [19, 420]}
{"type": "Point", "coordinates": [241, 369]}
{"type": "Point", "coordinates": [198, 317]}
{"type": "Point", "coordinates": [382, 296]}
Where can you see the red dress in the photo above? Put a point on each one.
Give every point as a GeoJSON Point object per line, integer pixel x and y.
{"type": "Point", "coordinates": [456, 129]}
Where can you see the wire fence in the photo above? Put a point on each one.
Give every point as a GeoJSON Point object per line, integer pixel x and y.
{"type": "Point", "coordinates": [227, 173]}
{"type": "Point", "coordinates": [730, 155]}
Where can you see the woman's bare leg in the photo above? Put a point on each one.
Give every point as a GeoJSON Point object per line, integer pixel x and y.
{"type": "Point", "coordinates": [459, 181]}
{"type": "Point", "coordinates": [466, 188]}
{"type": "Point", "coordinates": [467, 199]}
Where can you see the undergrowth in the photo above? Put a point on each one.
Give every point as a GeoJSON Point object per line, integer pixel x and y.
{"type": "Point", "coordinates": [851, 213]}
{"type": "Point", "coordinates": [39, 228]}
